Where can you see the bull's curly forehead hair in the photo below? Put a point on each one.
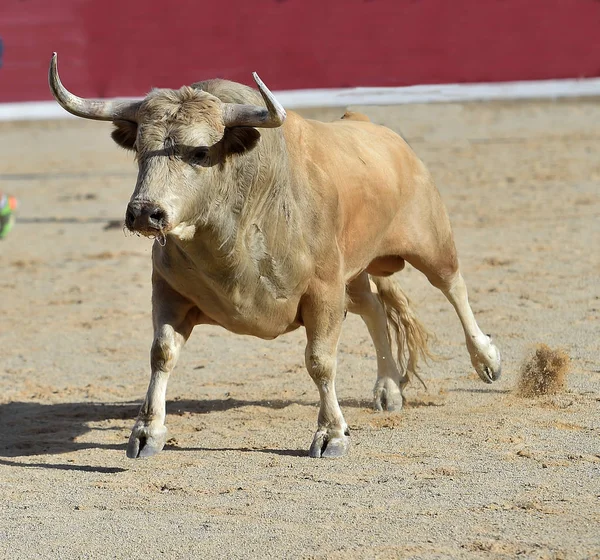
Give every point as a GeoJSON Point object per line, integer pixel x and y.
{"type": "Point", "coordinates": [186, 105]}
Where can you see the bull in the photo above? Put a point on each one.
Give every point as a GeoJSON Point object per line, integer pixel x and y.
{"type": "Point", "coordinates": [264, 222]}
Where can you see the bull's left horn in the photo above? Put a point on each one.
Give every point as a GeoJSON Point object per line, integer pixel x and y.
{"type": "Point", "coordinates": [270, 116]}
{"type": "Point", "coordinates": [96, 109]}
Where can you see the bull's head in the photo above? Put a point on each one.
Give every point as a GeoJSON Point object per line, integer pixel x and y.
{"type": "Point", "coordinates": [181, 138]}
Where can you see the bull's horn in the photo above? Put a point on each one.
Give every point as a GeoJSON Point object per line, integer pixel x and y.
{"type": "Point", "coordinates": [253, 115]}
{"type": "Point", "coordinates": [96, 109]}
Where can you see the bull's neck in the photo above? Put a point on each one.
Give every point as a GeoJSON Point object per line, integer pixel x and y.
{"type": "Point", "coordinates": [255, 212]}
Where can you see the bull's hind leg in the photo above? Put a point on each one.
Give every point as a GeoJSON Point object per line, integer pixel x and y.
{"type": "Point", "coordinates": [362, 299]}
{"type": "Point", "coordinates": [485, 356]}
{"type": "Point", "coordinates": [174, 318]}
{"type": "Point", "coordinates": [322, 312]}
{"type": "Point", "coordinates": [439, 263]}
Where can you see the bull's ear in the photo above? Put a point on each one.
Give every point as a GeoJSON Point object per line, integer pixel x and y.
{"type": "Point", "coordinates": [124, 134]}
{"type": "Point", "coordinates": [240, 139]}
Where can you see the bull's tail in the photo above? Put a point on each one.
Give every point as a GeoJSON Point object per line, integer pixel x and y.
{"type": "Point", "coordinates": [411, 337]}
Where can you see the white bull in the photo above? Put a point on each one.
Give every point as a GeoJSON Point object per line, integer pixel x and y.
{"type": "Point", "coordinates": [262, 232]}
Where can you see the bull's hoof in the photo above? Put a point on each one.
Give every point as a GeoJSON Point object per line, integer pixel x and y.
{"type": "Point", "coordinates": [329, 444]}
{"type": "Point", "coordinates": [487, 363]}
{"type": "Point", "coordinates": [387, 395]}
{"type": "Point", "coordinates": [146, 440]}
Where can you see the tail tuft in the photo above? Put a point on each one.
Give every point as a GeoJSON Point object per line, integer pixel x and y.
{"type": "Point", "coordinates": [412, 339]}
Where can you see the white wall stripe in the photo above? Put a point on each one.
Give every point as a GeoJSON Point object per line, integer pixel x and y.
{"type": "Point", "coordinates": [307, 98]}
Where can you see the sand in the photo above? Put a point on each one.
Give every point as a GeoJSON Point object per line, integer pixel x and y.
{"type": "Point", "coordinates": [465, 470]}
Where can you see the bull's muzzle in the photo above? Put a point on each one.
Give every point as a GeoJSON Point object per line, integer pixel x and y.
{"type": "Point", "coordinates": [145, 218]}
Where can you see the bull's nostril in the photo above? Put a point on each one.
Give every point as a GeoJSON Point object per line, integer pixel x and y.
{"type": "Point", "coordinates": [157, 217]}
{"type": "Point", "coordinates": [129, 217]}
{"type": "Point", "coordinates": [145, 217]}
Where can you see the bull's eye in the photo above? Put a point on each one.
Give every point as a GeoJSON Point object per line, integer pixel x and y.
{"type": "Point", "coordinates": [198, 156]}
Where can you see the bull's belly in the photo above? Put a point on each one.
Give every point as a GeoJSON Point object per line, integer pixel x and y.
{"type": "Point", "coordinates": [242, 307]}
{"type": "Point", "coordinates": [385, 265]}
{"type": "Point", "coordinates": [254, 317]}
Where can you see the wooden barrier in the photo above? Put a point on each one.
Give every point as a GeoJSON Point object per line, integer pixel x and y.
{"type": "Point", "coordinates": [110, 48]}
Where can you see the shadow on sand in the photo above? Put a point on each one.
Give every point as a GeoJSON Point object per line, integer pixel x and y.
{"type": "Point", "coordinates": [29, 428]}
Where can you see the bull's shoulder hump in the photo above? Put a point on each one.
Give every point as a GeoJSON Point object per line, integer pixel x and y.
{"type": "Point", "coordinates": [342, 130]}
{"type": "Point", "coordinates": [355, 116]}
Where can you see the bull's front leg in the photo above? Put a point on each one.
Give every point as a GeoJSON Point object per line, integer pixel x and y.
{"type": "Point", "coordinates": [174, 317]}
{"type": "Point", "coordinates": [322, 314]}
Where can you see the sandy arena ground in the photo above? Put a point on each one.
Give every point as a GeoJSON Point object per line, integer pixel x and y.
{"type": "Point", "coordinates": [465, 470]}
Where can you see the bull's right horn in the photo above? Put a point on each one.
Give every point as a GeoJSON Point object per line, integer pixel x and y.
{"type": "Point", "coordinates": [96, 109]}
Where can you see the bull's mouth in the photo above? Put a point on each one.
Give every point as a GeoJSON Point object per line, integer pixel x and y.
{"type": "Point", "coordinates": [159, 235]}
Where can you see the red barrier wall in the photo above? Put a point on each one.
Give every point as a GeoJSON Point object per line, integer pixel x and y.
{"type": "Point", "coordinates": [110, 48]}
